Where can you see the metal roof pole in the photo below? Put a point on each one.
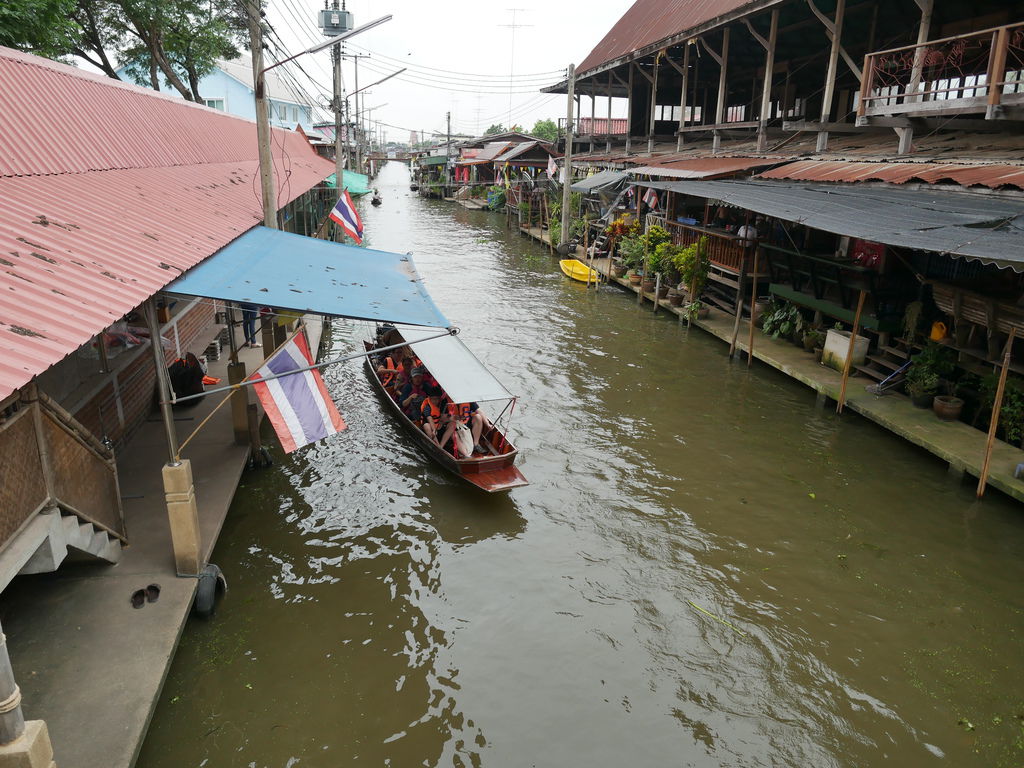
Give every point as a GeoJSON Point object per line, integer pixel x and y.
{"type": "Point", "coordinates": [163, 382]}
{"type": "Point", "coordinates": [593, 114]}
{"type": "Point", "coordinates": [830, 76]}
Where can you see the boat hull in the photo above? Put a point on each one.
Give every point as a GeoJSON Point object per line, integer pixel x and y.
{"type": "Point", "coordinates": [577, 270]}
{"type": "Point", "coordinates": [491, 473]}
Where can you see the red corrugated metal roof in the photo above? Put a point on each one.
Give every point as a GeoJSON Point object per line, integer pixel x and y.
{"type": "Point", "coordinates": [649, 21]}
{"type": "Point", "coordinates": [992, 176]}
{"type": "Point", "coordinates": [138, 188]}
{"type": "Point", "coordinates": [702, 167]}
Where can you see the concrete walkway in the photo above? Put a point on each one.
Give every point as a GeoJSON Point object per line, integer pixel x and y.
{"type": "Point", "coordinates": [88, 663]}
{"type": "Point", "coordinates": [955, 442]}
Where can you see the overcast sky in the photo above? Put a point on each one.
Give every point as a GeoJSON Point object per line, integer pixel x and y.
{"type": "Point", "coordinates": [459, 54]}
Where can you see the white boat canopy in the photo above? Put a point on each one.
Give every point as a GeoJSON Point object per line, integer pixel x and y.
{"type": "Point", "coordinates": [460, 374]}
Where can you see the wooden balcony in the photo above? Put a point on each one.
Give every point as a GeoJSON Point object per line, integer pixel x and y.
{"type": "Point", "coordinates": [725, 251]}
{"type": "Point", "coordinates": [977, 73]}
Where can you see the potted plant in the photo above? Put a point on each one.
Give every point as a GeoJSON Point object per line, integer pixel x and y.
{"type": "Point", "coordinates": [675, 297]}
{"type": "Point", "coordinates": [948, 407]}
{"type": "Point", "coordinates": [812, 339]}
{"type": "Point", "coordinates": [693, 265]}
{"type": "Point", "coordinates": [922, 382]}
{"type": "Point", "coordinates": [631, 255]}
{"type": "Point", "coordinates": [782, 320]}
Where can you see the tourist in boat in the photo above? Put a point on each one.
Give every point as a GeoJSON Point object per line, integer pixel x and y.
{"type": "Point", "coordinates": [436, 419]}
{"type": "Point", "coordinates": [474, 419]}
{"type": "Point", "coordinates": [412, 396]}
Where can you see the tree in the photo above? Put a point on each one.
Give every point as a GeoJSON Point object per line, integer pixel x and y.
{"type": "Point", "coordinates": [495, 129]}
{"type": "Point", "coordinates": [176, 42]}
{"type": "Point", "coordinates": [545, 129]}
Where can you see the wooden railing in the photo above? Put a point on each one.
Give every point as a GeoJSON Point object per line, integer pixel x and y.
{"type": "Point", "coordinates": [724, 250]}
{"type": "Point", "coordinates": [596, 126]}
{"type": "Point", "coordinates": [49, 459]}
{"type": "Point", "coordinates": [976, 72]}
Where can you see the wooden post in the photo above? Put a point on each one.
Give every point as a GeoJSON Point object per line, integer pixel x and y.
{"type": "Point", "coordinates": [997, 70]}
{"type": "Point", "coordinates": [657, 288]}
{"type": "Point", "coordinates": [654, 104]}
{"type": "Point", "coordinates": [567, 163]}
{"type": "Point", "coordinates": [849, 350]}
{"type": "Point", "coordinates": [629, 109]}
{"type": "Point", "coordinates": [830, 75]}
{"type": "Point", "coordinates": [996, 407]}
{"type": "Point", "coordinates": [739, 303]}
{"type": "Point", "coordinates": [608, 137]}
{"type": "Point", "coordinates": [682, 96]}
{"type": "Point", "coordinates": [766, 86]}
{"type": "Point", "coordinates": [753, 303]}
{"type": "Point", "coordinates": [723, 93]}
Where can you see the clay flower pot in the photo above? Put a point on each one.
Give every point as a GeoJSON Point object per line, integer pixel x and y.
{"type": "Point", "coordinates": [647, 286]}
{"type": "Point", "coordinates": [663, 292]}
{"type": "Point", "coordinates": [618, 270]}
{"type": "Point", "coordinates": [634, 279]}
{"type": "Point", "coordinates": [675, 298]}
{"type": "Point", "coordinates": [947, 407]}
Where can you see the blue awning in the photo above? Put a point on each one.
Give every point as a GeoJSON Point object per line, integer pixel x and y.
{"type": "Point", "coordinates": [278, 269]}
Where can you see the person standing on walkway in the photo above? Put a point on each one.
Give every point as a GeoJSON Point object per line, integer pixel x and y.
{"type": "Point", "coordinates": [249, 312]}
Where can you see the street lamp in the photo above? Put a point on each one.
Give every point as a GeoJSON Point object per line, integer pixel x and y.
{"type": "Point", "coordinates": [262, 118]}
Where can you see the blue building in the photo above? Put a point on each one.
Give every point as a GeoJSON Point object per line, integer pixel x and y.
{"type": "Point", "coordinates": [230, 88]}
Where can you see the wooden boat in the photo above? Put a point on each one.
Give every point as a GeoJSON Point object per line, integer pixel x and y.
{"type": "Point", "coordinates": [376, 200]}
{"type": "Point", "coordinates": [492, 473]}
{"type": "Point", "coordinates": [577, 270]}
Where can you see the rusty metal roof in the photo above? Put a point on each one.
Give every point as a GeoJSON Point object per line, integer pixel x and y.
{"type": "Point", "coordinates": [650, 21]}
{"type": "Point", "coordinates": [993, 176]}
{"type": "Point", "coordinates": [138, 188]}
{"type": "Point", "coordinates": [702, 167]}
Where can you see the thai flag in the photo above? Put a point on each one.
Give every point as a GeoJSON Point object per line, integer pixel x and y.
{"type": "Point", "coordinates": [347, 217]}
{"type": "Point", "coordinates": [651, 197]}
{"type": "Point", "coordinates": [297, 405]}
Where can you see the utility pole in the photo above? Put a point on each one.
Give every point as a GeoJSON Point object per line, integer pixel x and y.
{"type": "Point", "coordinates": [512, 59]}
{"type": "Point", "coordinates": [566, 192]}
{"type": "Point", "coordinates": [448, 150]}
{"type": "Point", "coordinates": [340, 146]}
{"type": "Point", "coordinates": [254, 19]}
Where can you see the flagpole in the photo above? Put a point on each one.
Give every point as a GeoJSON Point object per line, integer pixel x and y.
{"type": "Point", "coordinates": [249, 382]}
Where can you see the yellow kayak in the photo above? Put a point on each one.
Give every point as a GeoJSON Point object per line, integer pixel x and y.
{"type": "Point", "coordinates": [577, 270]}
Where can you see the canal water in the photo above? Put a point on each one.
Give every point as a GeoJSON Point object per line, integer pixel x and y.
{"type": "Point", "coordinates": [705, 570]}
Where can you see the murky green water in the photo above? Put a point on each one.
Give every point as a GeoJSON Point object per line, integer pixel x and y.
{"type": "Point", "coordinates": [705, 570]}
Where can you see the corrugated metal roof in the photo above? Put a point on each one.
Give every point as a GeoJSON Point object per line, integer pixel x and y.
{"type": "Point", "coordinates": [139, 188]}
{"type": "Point", "coordinates": [649, 21]}
{"type": "Point", "coordinates": [958, 223]}
{"type": "Point", "coordinates": [701, 167]}
{"type": "Point", "coordinates": [992, 176]}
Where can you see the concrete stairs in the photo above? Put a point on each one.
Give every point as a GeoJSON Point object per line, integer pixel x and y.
{"type": "Point", "coordinates": [48, 539]}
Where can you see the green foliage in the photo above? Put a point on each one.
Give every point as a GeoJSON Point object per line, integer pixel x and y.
{"type": "Point", "coordinates": [1011, 412]}
{"type": "Point", "coordinates": [631, 251]}
{"type": "Point", "coordinates": [782, 319]}
{"type": "Point", "coordinates": [693, 264]}
{"type": "Point", "coordinates": [494, 129]}
{"type": "Point", "coordinates": [937, 357]}
{"type": "Point", "coordinates": [496, 198]}
{"type": "Point", "coordinates": [545, 129]}
{"type": "Point", "coordinates": [921, 380]}
{"type": "Point", "coordinates": [555, 230]}
{"type": "Point", "coordinates": [42, 27]}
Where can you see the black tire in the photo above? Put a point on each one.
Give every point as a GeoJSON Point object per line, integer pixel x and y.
{"type": "Point", "coordinates": [211, 584]}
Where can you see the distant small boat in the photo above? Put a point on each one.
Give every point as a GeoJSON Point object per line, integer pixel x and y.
{"type": "Point", "coordinates": [577, 270]}
{"type": "Point", "coordinates": [376, 200]}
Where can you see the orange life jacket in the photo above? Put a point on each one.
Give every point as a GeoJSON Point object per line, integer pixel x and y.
{"type": "Point", "coordinates": [462, 412]}
{"type": "Point", "coordinates": [429, 410]}
{"type": "Point", "coordinates": [389, 375]}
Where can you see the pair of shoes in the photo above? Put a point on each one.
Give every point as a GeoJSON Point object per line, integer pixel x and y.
{"type": "Point", "coordinates": [479, 449]}
{"type": "Point", "coordinates": [255, 344]}
{"type": "Point", "coordinates": [148, 595]}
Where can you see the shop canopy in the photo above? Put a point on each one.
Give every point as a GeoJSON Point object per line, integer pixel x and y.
{"type": "Point", "coordinates": [356, 183]}
{"type": "Point", "coordinates": [278, 269]}
{"type": "Point", "coordinates": [598, 181]}
{"type": "Point", "coordinates": [460, 374]}
{"type": "Point", "coordinates": [973, 226]}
